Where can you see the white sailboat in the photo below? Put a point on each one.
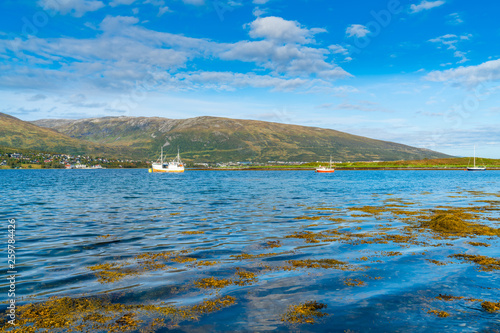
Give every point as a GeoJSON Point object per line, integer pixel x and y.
{"type": "Point", "coordinates": [176, 165]}
{"type": "Point", "coordinates": [475, 168]}
{"type": "Point", "coordinates": [328, 169]}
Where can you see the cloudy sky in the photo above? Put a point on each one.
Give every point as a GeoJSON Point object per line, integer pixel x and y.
{"type": "Point", "coordinates": [424, 73]}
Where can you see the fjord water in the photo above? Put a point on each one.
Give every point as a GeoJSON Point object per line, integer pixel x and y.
{"type": "Point", "coordinates": [62, 214]}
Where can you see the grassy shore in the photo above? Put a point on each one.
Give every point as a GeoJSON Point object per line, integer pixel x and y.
{"type": "Point", "coordinates": [427, 164]}
{"type": "Point", "coordinates": [23, 166]}
{"type": "Point", "coordinates": [444, 163]}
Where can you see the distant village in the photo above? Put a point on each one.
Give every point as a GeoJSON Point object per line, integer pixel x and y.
{"type": "Point", "coordinates": [30, 160]}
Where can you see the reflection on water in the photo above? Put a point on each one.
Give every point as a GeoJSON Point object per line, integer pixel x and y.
{"type": "Point", "coordinates": [355, 241]}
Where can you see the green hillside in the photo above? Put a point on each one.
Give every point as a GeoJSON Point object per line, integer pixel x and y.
{"type": "Point", "coordinates": [16, 133]}
{"type": "Point", "coordinates": [209, 139]}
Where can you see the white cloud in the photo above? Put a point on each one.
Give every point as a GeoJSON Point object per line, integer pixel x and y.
{"type": "Point", "coordinates": [338, 49]}
{"type": "Point", "coordinates": [260, 2]}
{"type": "Point", "coordinates": [194, 2]}
{"type": "Point", "coordinates": [425, 5]}
{"type": "Point", "coordinates": [81, 101]}
{"type": "Point", "coordinates": [280, 30]}
{"type": "Point", "coordinates": [117, 23]}
{"type": "Point", "coordinates": [449, 40]}
{"type": "Point", "coordinates": [282, 51]}
{"type": "Point", "coordinates": [469, 76]}
{"type": "Point", "coordinates": [115, 3]}
{"type": "Point", "coordinates": [122, 53]}
{"type": "Point", "coordinates": [289, 59]}
{"type": "Point", "coordinates": [461, 55]}
{"type": "Point", "coordinates": [230, 81]}
{"type": "Point", "coordinates": [357, 30]}
{"type": "Point", "coordinates": [365, 106]}
{"type": "Point", "coordinates": [258, 12]}
{"type": "Point", "coordinates": [232, 3]}
{"type": "Point", "coordinates": [455, 18]}
{"type": "Point", "coordinates": [37, 97]}
{"type": "Point", "coordinates": [114, 59]}
{"type": "Point", "coordinates": [345, 89]}
{"type": "Point", "coordinates": [76, 8]}
{"type": "Point", "coordinates": [163, 10]}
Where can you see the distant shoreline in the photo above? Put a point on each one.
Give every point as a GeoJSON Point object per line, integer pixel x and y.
{"type": "Point", "coordinates": [337, 169]}
{"type": "Point", "coordinates": [281, 169]}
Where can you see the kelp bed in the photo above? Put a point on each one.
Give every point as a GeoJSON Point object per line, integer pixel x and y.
{"type": "Point", "coordinates": [379, 234]}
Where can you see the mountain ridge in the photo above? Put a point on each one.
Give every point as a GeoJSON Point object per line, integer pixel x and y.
{"type": "Point", "coordinates": [211, 139]}
{"type": "Point", "coordinates": [16, 133]}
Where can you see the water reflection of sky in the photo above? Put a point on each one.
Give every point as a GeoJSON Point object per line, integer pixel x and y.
{"type": "Point", "coordinates": [61, 214]}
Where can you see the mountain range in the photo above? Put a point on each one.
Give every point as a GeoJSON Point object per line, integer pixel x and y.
{"type": "Point", "coordinates": [201, 139]}
{"type": "Point", "coordinates": [16, 133]}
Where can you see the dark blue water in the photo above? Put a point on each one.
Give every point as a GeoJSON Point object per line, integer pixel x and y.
{"type": "Point", "coordinates": [61, 215]}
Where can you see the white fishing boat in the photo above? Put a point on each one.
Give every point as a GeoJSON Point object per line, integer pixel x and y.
{"type": "Point", "coordinates": [328, 169]}
{"type": "Point", "coordinates": [475, 168]}
{"type": "Point", "coordinates": [176, 165]}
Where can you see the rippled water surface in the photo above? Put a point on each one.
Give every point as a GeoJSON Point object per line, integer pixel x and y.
{"type": "Point", "coordinates": [70, 220]}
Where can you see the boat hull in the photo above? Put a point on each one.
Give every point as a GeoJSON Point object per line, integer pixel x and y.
{"type": "Point", "coordinates": [168, 168]}
{"type": "Point", "coordinates": [476, 169]}
{"type": "Point", "coordinates": [325, 170]}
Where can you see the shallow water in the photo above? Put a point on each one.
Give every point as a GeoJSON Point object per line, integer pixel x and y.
{"type": "Point", "coordinates": [62, 215]}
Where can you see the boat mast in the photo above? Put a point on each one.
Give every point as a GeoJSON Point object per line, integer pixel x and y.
{"type": "Point", "coordinates": [474, 156]}
{"type": "Point", "coordinates": [162, 155]}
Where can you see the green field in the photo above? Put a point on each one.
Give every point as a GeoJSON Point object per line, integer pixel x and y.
{"type": "Point", "coordinates": [458, 163]}
{"type": "Point", "coordinates": [443, 163]}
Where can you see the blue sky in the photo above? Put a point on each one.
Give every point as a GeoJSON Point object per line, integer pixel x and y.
{"type": "Point", "coordinates": [423, 73]}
